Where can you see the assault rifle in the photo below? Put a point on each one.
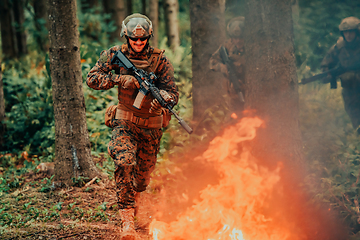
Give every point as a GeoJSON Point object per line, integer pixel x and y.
{"type": "Point", "coordinates": [145, 81]}
{"type": "Point", "coordinates": [331, 75]}
{"type": "Point", "coordinates": [234, 79]}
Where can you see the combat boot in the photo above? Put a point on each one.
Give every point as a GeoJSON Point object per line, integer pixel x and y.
{"type": "Point", "coordinates": [128, 227]}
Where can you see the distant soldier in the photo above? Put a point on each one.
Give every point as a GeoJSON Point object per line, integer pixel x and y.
{"type": "Point", "coordinates": [234, 47]}
{"type": "Point", "coordinates": [345, 53]}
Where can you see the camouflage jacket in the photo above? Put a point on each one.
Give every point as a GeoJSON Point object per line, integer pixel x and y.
{"type": "Point", "coordinates": [343, 55]}
{"type": "Point", "coordinates": [236, 52]}
{"type": "Point", "coordinates": [102, 76]}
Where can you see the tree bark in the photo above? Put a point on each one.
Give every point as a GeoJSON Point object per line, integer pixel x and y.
{"type": "Point", "coordinates": [116, 9]}
{"type": "Point", "coordinates": [2, 109]}
{"type": "Point", "coordinates": [271, 79]}
{"type": "Point", "coordinates": [143, 7]}
{"type": "Point", "coordinates": [19, 6]}
{"type": "Point", "coordinates": [172, 23]}
{"type": "Point", "coordinates": [272, 91]}
{"type": "Point", "coordinates": [129, 7]}
{"type": "Point", "coordinates": [40, 10]}
{"type": "Point", "coordinates": [8, 36]}
{"type": "Point", "coordinates": [72, 146]}
{"type": "Point", "coordinates": [207, 33]}
{"type": "Point", "coordinates": [154, 17]}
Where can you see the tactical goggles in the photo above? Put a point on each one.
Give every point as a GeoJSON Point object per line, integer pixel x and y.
{"type": "Point", "coordinates": [141, 39]}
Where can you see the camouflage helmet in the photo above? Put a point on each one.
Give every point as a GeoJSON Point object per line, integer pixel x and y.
{"type": "Point", "coordinates": [235, 26]}
{"type": "Point", "coordinates": [349, 23]}
{"type": "Point", "coordinates": [137, 26]}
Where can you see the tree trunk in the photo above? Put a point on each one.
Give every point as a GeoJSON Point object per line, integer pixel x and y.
{"type": "Point", "coordinates": [207, 33]}
{"type": "Point", "coordinates": [143, 7]}
{"type": "Point", "coordinates": [86, 5]}
{"type": "Point", "coordinates": [154, 17]}
{"type": "Point", "coordinates": [116, 9]}
{"type": "Point", "coordinates": [272, 91]}
{"type": "Point", "coordinates": [172, 23]}
{"type": "Point", "coordinates": [271, 78]}
{"type": "Point", "coordinates": [129, 7]}
{"type": "Point", "coordinates": [40, 10]}
{"type": "Point", "coordinates": [2, 109]}
{"type": "Point", "coordinates": [72, 146]}
{"type": "Point", "coordinates": [19, 6]}
{"type": "Point", "coordinates": [8, 36]}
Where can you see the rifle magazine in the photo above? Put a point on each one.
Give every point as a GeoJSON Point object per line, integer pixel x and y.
{"type": "Point", "coordinates": [139, 100]}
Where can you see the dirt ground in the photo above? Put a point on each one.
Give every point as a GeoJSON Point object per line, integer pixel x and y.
{"type": "Point", "coordinates": [33, 210]}
{"type": "Point", "coordinates": [82, 214]}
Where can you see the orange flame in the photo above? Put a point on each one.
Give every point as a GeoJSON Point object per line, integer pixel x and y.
{"type": "Point", "coordinates": [238, 207]}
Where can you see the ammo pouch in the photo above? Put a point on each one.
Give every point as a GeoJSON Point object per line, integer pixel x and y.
{"type": "Point", "coordinates": [166, 117]}
{"type": "Point", "coordinates": [350, 84]}
{"type": "Point", "coordinates": [110, 114]}
{"type": "Point", "coordinates": [143, 122]}
{"type": "Point", "coordinates": [350, 80]}
{"type": "Point", "coordinates": [152, 122]}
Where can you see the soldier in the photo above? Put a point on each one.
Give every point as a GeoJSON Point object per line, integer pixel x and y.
{"type": "Point", "coordinates": [346, 52]}
{"type": "Point", "coordinates": [136, 133]}
{"type": "Point", "coordinates": [235, 50]}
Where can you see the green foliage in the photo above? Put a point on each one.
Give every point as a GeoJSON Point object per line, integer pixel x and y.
{"type": "Point", "coordinates": [94, 26]}
{"type": "Point", "coordinates": [316, 29]}
{"type": "Point", "coordinates": [330, 143]}
{"type": "Point", "coordinates": [332, 148]}
{"type": "Point", "coordinates": [46, 184]}
{"type": "Point", "coordinates": [29, 116]}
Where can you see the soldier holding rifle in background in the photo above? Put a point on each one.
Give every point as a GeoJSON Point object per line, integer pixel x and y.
{"type": "Point", "coordinates": [136, 132]}
{"type": "Point", "coordinates": [343, 61]}
{"type": "Point", "coordinates": [229, 59]}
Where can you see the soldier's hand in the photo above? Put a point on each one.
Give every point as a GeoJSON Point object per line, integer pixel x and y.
{"type": "Point", "coordinates": [224, 70]}
{"type": "Point", "coordinates": [156, 106]}
{"type": "Point", "coordinates": [128, 82]}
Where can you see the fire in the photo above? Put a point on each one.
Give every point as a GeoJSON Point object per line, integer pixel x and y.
{"type": "Point", "coordinates": [238, 208]}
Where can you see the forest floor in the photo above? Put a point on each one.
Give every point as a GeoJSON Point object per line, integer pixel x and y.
{"type": "Point", "coordinates": [88, 212]}
{"type": "Point", "coordinates": [31, 209]}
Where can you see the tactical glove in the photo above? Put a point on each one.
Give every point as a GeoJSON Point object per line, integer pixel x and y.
{"type": "Point", "coordinates": [156, 106]}
{"type": "Point", "coordinates": [224, 70]}
{"type": "Point", "coordinates": [127, 82]}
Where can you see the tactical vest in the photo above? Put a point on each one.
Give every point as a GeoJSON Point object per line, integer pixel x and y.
{"type": "Point", "coordinates": [127, 97]}
{"type": "Point", "coordinates": [348, 57]}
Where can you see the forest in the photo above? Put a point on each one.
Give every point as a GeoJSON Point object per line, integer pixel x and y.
{"type": "Point", "coordinates": [286, 167]}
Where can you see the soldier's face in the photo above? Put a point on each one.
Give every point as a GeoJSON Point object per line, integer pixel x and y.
{"type": "Point", "coordinates": [138, 44]}
{"type": "Point", "coordinates": [349, 36]}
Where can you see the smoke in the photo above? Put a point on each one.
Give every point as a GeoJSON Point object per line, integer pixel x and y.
{"type": "Point", "coordinates": [242, 198]}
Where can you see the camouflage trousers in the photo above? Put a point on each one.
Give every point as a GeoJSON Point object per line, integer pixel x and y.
{"type": "Point", "coordinates": [351, 98]}
{"type": "Point", "coordinates": [134, 152]}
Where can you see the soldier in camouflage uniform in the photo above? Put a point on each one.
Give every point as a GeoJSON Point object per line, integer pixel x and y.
{"type": "Point", "coordinates": [236, 52]}
{"type": "Point", "coordinates": [136, 133]}
{"type": "Point", "coordinates": [346, 52]}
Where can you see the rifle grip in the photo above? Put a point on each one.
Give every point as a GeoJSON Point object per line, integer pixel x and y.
{"type": "Point", "coordinates": [333, 83]}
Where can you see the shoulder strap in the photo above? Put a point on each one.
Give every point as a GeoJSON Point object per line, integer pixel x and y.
{"type": "Point", "coordinates": [340, 43]}
{"type": "Point", "coordinates": [155, 57]}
